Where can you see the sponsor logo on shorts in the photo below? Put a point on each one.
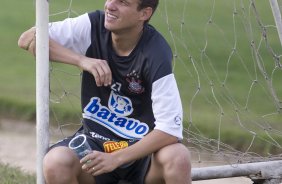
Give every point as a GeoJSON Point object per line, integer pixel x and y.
{"type": "Point", "coordinates": [111, 146]}
{"type": "Point", "coordinates": [113, 117]}
{"type": "Point", "coordinates": [98, 136]}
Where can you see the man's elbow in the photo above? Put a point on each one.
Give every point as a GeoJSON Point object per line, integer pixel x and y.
{"type": "Point", "coordinates": [22, 42]}
{"type": "Point", "coordinates": [26, 38]}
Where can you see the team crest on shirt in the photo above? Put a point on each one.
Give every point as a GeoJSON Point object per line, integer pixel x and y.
{"type": "Point", "coordinates": [134, 83]}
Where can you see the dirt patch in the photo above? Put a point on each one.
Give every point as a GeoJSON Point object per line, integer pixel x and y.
{"type": "Point", "coordinates": [18, 144]}
{"type": "Point", "coordinates": [18, 148]}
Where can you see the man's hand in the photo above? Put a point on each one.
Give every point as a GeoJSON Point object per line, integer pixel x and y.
{"type": "Point", "coordinates": [97, 163]}
{"type": "Point", "coordinates": [99, 69]}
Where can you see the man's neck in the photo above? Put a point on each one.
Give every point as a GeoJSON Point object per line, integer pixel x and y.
{"type": "Point", "coordinates": [124, 43]}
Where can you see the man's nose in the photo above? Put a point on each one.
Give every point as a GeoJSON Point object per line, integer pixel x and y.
{"type": "Point", "coordinates": [111, 4]}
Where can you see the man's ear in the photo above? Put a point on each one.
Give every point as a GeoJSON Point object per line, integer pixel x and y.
{"type": "Point", "coordinates": [146, 13]}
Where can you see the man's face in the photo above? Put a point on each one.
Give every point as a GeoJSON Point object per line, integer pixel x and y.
{"type": "Point", "coordinates": [122, 15]}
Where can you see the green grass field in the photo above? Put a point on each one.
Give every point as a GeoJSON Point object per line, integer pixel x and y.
{"type": "Point", "coordinates": [187, 39]}
{"type": "Point", "coordinates": [13, 175]}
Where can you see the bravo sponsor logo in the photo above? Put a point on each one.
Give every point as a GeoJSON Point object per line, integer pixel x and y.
{"type": "Point", "coordinates": [111, 146]}
{"type": "Point", "coordinates": [128, 128]}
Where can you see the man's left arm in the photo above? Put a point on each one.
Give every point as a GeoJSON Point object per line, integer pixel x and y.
{"type": "Point", "coordinates": [168, 113]}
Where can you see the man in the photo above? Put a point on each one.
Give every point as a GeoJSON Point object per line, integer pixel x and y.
{"type": "Point", "coordinates": [132, 112]}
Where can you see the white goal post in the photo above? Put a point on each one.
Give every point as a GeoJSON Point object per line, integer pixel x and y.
{"type": "Point", "coordinates": [42, 85]}
{"type": "Point", "coordinates": [277, 17]}
{"type": "Point", "coordinates": [267, 171]}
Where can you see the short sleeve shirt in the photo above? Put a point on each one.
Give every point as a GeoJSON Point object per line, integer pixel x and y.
{"type": "Point", "coordinates": [143, 95]}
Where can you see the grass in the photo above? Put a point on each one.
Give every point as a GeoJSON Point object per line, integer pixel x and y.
{"type": "Point", "coordinates": [13, 175]}
{"type": "Point", "coordinates": [202, 49]}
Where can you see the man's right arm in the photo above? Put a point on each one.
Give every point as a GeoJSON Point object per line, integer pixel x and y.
{"type": "Point", "coordinates": [98, 68]}
{"type": "Point", "coordinates": [27, 41]}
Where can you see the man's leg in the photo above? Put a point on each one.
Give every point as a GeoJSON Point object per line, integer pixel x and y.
{"type": "Point", "coordinates": [170, 165]}
{"type": "Point", "coordinates": [61, 166]}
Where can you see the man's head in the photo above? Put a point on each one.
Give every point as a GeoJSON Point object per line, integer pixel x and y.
{"type": "Point", "coordinates": [121, 15]}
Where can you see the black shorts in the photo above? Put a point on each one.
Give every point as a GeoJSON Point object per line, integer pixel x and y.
{"type": "Point", "coordinates": [131, 173]}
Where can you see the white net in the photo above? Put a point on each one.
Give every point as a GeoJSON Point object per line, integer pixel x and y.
{"type": "Point", "coordinates": [227, 60]}
{"type": "Point", "coordinates": [228, 68]}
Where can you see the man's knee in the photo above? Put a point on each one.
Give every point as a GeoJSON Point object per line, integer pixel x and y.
{"type": "Point", "coordinates": [59, 156]}
{"type": "Point", "coordinates": [61, 165]}
{"type": "Point", "coordinates": [174, 159]}
{"type": "Point", "coordinates": [59, 160]}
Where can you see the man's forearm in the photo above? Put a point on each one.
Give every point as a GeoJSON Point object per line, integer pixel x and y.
{"type": "Point", "coordinates": [58, 53]}
{"type": "Point", "coordinates": [151, 143]}
{"type": "Point", "coordinates": [97, 67]}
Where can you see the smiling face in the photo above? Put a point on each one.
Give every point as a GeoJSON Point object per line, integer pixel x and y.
{"type": "Point", "coordinates": [121, 15]}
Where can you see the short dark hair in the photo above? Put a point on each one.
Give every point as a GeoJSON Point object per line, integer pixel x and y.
{"type": "Point", "coordinates": [148, 3]}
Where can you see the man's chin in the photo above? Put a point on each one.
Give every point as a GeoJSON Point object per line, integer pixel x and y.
{"type": "Point", "coordinates": [109, 27]}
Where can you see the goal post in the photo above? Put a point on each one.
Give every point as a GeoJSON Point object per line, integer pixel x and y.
{"type": "Point", "coordinates": [42, 85]}
{"type": "Point", "coordinates": [271, 170]}
{"type": "Point", "coordinates": [277, 17]}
